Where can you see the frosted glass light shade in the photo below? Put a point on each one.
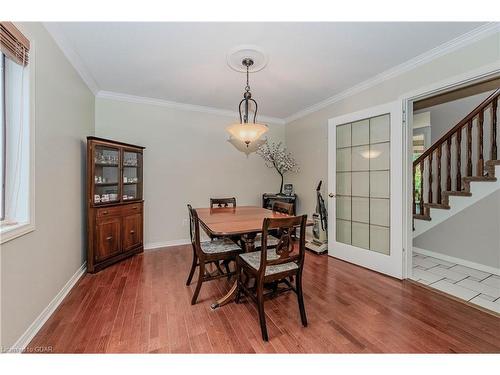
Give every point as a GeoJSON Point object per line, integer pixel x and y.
{"type": "Point", "coordinates": [247, 132]}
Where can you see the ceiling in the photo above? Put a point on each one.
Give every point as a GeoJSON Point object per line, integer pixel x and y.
{"type": "Point", "coordinates": [186, 62]}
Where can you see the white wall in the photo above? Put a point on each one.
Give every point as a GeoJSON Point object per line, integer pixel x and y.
{"type": "Point", "coordinates": [479, 239]}
{"type": "Point", "coordinates": [187, 160]}
{"type": "Point", "coordinates": [36, 266]}
{"type": "Point", "coordinates": [306, 137]}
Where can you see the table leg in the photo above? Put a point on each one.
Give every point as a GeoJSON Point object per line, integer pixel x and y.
{"type": "Point", "coordinates": [248, 245]}
{"type": "Point", "coordinates": [249, 242]}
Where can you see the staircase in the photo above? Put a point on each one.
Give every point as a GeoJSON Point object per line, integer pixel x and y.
{"type": "Point", "coordinates": [451, 175]}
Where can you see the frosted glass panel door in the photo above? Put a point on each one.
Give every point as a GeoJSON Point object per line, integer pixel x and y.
{"type": "Point", "coordinates": [365, 188]}
{"type": "Point", "coordinates": [363, 154]}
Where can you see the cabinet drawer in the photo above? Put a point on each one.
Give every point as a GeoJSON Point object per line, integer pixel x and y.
{"type": "Point", "coordinates": [132, 231]}
{"type": "Point", "coordinates": [109, 211]}
{"type": "Point", "coordinates": [108, 238]}
{"type": "Point", "coordinates": [131, 209]}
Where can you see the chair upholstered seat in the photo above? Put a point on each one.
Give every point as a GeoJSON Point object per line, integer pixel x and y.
{"type": "Point", "coordinates": [271, 241]}
{"type": "Point", "coordinates": [219, 245]}
{"type": "Point", "coordinates": [253, 260]}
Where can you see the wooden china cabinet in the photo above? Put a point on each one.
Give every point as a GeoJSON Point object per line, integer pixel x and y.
{"type": "Point", "coordinates": [114, 202]}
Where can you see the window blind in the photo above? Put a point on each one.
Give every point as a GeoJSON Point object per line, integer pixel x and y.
{"type": "Point", "coordinates": [14, 44]}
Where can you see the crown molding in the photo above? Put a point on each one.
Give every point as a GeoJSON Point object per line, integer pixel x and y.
{"type": "Point", "coordinates": [424, 58]}
{"type": "Point", "coordinates": [77, 62]}
{"type": "Point", "coordinates": [73, 57]}
{"type": "Point", "coordinates": [181, 106]}
{"type": "Point", "coordinates": [441, 50]}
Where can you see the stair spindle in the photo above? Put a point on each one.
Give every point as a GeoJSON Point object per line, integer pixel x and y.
{"type": "Point", "coordinates": [480, 162]}
{"type": "Point", "coordinates": [429, 181]}
{"type": "Point", "coordinates": [421, 203]}
{"type": "Point", "coordinates": [438, 162]}
{"type": "Point", "coordinates": [448, 164]}
{"type": "Point", "coordinates": [459, 160]}
{"type": "Point", "coordinates": [414, 190]}
{"type": "Point", "coordinates": [494, 129]}
{"type": "Point", "coordinates": [469, 148]}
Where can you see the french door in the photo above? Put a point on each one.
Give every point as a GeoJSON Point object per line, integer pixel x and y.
{"type": "Point", "coordinates": [365, 185]}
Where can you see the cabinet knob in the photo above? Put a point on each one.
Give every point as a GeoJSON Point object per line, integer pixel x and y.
{"type": "Point", "coordinates": [331, 195]}
{"type": "Point", "coordinates": [132, 231]}
{"type": "Point", "coordinates": [109, 238]}
{"type": "Point", "coordinates": [105, 212]}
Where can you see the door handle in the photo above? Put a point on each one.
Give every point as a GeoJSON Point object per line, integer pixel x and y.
{"type": "Point", "coordinates": [331, 195]}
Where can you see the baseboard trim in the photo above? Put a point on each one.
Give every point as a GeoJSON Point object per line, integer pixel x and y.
{"type": "Point", "coordinates": [462, 262]}
{"type": "Point", "coordinates": [157, 245]}
{"type": "Point", "coordinates": [38, 323]}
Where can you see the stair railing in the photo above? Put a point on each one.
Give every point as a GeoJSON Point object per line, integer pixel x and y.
{"type": "Point", "coordinates": [423, 173]}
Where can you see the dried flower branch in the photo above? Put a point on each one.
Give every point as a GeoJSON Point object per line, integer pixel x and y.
{"type": "Point", "coordinates": [276, 156]}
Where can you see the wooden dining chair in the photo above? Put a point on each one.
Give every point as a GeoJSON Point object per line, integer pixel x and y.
{"type": "Point", "coordinates": [272, 241]}
{"type": "Point", "coordinates": [270, 266]}
{"type": "Point", "coordinates": [222, 202]}
{"type": "Point", "coordinates": [283, 207]}
{"type": "Point", "coordinates": [206, 252]}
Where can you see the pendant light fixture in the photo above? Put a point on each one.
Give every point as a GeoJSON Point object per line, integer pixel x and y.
{"type": "Point", "coordinates": [247, 131]}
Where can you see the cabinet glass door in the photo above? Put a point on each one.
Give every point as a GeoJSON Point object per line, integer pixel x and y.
{"type": "Point", "coordinates": [106, 175]}
{"type": "Point", "coordinates": [132, 175]}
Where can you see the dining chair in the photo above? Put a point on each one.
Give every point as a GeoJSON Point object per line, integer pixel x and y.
{"type": "Point", "coordinates": [270, 266]}
{"type": "Point", "coordinates": [272, 241]}
{"type": "Point", "coordinates": [283, 207]}
{"type": "Point", "coordinates": [206, 252]}
{"type": "Point", "coordinates": [222, 202]}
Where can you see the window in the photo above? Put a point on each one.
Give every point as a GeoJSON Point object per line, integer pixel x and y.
{"type": "Point", "coordinates": [421, 141]}
{"type": "Point", "coordinates": [16, 138]}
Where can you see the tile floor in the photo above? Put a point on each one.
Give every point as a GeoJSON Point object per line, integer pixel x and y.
{"type": "Point", "coordinates": [478, 287]}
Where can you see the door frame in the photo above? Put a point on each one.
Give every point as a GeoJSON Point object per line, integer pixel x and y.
{"type": "Point", "coordinates": [407, 99]}
{"type": "Point", "coordinates": [381, 262]}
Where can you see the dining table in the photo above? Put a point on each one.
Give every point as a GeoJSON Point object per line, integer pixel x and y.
{"type": "Point", "coordinates": [243, 222]}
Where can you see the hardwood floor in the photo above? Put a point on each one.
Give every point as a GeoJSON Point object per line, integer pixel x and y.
{"type": "Point", "coordinates": [143, 305]}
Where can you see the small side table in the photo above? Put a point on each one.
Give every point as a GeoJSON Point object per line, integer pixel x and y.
{"type": "Point", "coordinates": [268, 200]}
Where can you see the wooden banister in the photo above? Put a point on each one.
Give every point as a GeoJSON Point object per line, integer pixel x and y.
{"type": "Point", "coordinates": [480, 108]}
{"type": "Point", "coordinates": [435, 154]}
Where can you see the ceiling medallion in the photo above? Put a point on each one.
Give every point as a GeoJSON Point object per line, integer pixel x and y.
{"type": "Point", "coordinates": [237, 55]}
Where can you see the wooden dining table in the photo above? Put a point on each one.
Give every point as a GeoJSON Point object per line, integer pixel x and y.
{"type": "Point", "coordinates": [243, 222]}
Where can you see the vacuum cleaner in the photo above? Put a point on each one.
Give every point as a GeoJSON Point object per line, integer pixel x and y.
{"type": "Point", "coordinates": [319, 243]}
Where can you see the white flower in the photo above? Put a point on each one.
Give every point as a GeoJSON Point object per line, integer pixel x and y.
{"type": "Point", "coordinates": [276, 156]}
